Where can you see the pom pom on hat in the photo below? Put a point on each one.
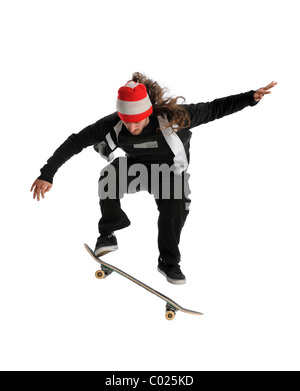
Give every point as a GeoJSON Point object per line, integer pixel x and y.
{"type": "Point", "coordinates": [133, 103]}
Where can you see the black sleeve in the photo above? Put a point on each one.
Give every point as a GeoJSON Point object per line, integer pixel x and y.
{"type": "Point", "coordinates": [201, 113]}
{"type": "Point", "coordinates": [73, 145]}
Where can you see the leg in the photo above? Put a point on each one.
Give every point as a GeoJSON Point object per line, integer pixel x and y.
{"type": "Point", "coordinates": [111, 190]}
{"type": "Point", "coordinates": [172, 217]}
{"type": "Point", "coordinates": [117, 179]}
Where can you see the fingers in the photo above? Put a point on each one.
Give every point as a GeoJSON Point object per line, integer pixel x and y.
{"type": "Point", "coordinates": [35, 187]}
{"type": "Point", "coordinates": [37, 193]}
{"type": "Point", "coordinates": [264, 90]}
{"type": "Point", "coordinates": [34, 183]}
{"type": "Point", "coordinates": [45, 189]}
{"type": "Point", "coordinates": [40, 188]}
{"type": "Point", "coordinates": [271, 85]}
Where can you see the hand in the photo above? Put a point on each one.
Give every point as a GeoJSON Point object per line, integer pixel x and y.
{"type": "Point", "coordinates": [259, 94]}
{"type": "Point", "coordinates": [40, 187]}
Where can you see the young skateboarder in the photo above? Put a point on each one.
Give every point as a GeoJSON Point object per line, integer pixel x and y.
{"type": "Point", "coordinates": [155, 133]}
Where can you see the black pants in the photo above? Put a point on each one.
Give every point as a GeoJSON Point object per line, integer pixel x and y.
{"type": "Point", "coordinates": [124, 176]}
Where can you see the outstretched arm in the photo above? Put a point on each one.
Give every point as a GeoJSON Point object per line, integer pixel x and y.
{"type": "Point", "coordinates": [73, 145]}
{"type": "Point", "coordinates": [201, 113]}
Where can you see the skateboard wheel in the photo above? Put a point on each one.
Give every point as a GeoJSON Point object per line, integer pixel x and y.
{"type": "Point", "coordinates": [170, 315]}
{"type": "Point", "coordinates": [100, 274]}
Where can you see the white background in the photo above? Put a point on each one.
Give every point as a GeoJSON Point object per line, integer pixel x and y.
{"type": "Point", "coordinates": [62, 64]}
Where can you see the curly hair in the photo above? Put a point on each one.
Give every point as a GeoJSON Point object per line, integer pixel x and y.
{"type": "Point", "coordinates": [177, 116]}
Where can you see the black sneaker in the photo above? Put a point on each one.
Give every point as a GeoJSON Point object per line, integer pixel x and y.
{"type": "Point", "coordinates": [173, 273]}
{"type": "Point", "coordinates": [105, 244]}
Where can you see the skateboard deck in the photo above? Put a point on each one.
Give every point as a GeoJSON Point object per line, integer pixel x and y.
{"type": "Point", "coordinates": [106, 269]}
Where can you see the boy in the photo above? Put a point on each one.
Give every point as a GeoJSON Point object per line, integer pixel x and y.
{"type": "Point", "coordinates": [154, 131]}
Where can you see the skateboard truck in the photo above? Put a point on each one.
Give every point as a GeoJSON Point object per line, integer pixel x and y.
{"type": "Point", "coordinates": [103, 273]}
{"type": "Point", "coordinates": [170, 312]}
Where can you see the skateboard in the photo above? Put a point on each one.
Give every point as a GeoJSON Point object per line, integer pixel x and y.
{"type": "Point", "coordinates": [107, 269]}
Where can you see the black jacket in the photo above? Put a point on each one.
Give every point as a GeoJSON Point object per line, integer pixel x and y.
{"type": "Point", "coordinates": [150, 146]}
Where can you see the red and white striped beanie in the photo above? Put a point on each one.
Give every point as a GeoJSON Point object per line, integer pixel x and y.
{"type": "Point", "coordinates": [133, 103]}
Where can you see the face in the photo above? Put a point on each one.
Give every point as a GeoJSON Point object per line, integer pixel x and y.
{"type": "Point", "coordinates": [136, 128]}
